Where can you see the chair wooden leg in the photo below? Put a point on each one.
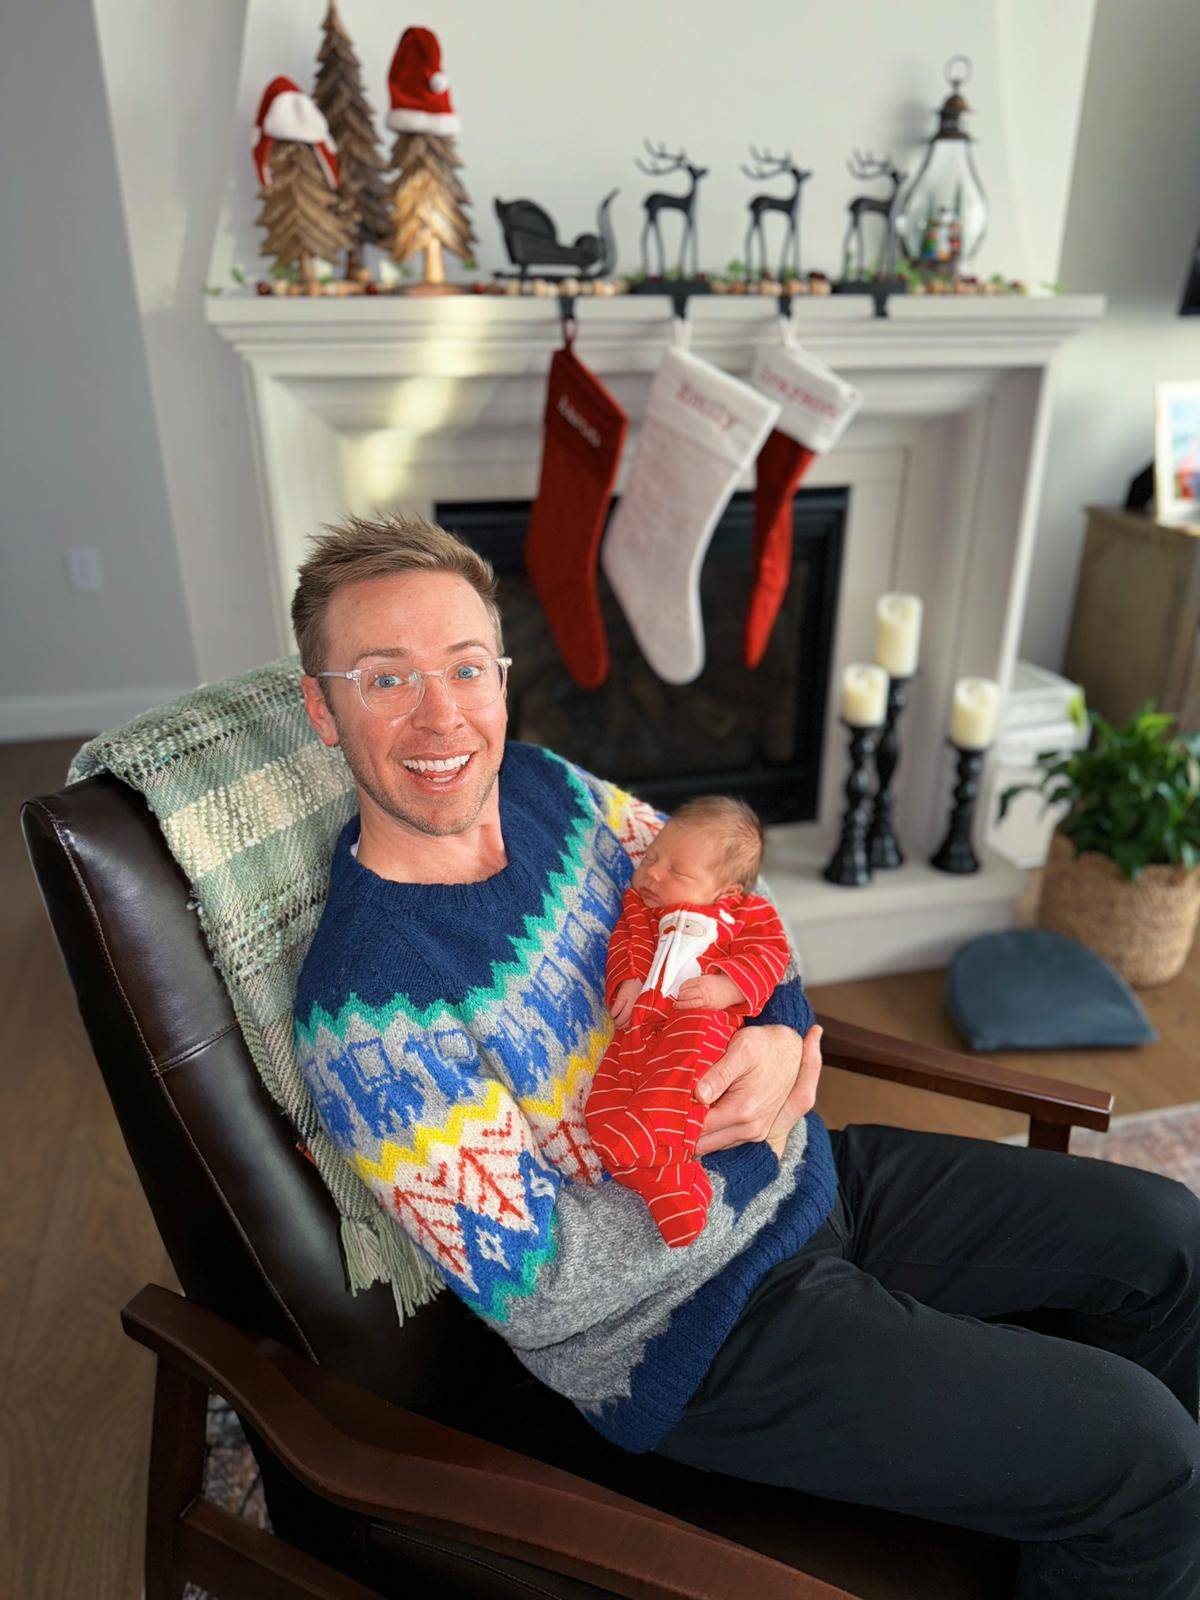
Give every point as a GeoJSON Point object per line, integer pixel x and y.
{"type": "Point", "coordinates": [1049, 1135]}
{"type": "Point", "coordinates": [189, 1540]}
{"type": "Point", "coordinates": [176, 1475]}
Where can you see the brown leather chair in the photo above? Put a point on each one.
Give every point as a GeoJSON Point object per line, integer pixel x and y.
{"type": "Point", "coordinates": [423, 1460]}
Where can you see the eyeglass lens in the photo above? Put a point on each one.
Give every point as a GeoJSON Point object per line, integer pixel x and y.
{"type": "Point", "coordinates": [390, 691]}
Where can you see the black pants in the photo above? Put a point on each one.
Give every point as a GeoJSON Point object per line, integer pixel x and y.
{"type": "Point", "coordinates": [876, 1366]}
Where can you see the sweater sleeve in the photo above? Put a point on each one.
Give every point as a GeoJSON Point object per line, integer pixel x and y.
{"type": "Point", "coordinates": [757, 956]}
{"type": "Point", "coordinates": [788, 1004]}
{"type": "Point", "coordinates": [631, 948]}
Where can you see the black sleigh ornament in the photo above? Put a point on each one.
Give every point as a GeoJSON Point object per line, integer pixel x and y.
{"type": "Point", "coordinates": [531, 240]}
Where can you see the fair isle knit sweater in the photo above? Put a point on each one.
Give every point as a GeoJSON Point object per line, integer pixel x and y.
{"type": "Point", "coordinates": [449, 1034]}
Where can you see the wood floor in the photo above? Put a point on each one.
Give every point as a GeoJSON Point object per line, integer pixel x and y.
{"type": "Point", "coordinates": [77, 1239]}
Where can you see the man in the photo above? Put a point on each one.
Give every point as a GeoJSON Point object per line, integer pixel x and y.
{"type": "Point", "coordinates": [827, 1329]}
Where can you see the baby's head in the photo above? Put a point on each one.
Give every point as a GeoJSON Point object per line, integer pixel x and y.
{"type": "Point", "coordinates": [711, 847]}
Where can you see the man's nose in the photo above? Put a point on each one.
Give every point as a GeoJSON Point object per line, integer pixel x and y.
{"type": "Point", "coordinates": [437, 708]}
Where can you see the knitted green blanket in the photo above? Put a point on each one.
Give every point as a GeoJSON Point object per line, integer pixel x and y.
{"type": "Point", "coordinates": [250, 803]}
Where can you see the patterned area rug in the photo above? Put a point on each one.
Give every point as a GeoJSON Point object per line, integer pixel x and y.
{"type": "Point", "coordinates": [1158, 1141]}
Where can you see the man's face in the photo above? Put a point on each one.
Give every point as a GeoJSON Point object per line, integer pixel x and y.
{"type": "Point", "coordinates": [415, 619]}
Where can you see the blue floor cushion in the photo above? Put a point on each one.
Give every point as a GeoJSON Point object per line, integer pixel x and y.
{"type": "Point", "coordinates": [1028, 989]}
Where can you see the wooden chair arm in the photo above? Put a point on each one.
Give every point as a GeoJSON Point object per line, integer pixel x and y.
{"type": "Point", "coordinates": [1053, 1107]}
{"type": "Point", "coordinates": [380, 1461]}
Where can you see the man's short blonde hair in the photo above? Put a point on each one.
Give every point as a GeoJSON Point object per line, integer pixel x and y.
{"type": "Point", "coordinates": [736, 824]}
{"type": "Point", "coordinates": [379, 547]}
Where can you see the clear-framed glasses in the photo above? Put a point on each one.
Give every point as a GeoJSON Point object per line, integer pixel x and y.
{"type": "Point", "coordinates": [472, 682]}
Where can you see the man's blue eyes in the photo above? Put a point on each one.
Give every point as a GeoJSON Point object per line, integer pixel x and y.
{"type": "Point", "coordinates": [466, 673]}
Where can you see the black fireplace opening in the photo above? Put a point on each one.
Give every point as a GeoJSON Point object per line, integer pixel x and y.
{"type": "Point", "coordinates": [756, 733]}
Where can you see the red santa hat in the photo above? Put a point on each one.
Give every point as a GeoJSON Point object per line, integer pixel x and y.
{"type": "Point", "coordinates": [285, 112]}
{"type": "Point", "coordinates": [419, 89]}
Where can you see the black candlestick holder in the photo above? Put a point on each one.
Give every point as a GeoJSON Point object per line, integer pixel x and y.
{"type": "Point", "coordinates": [850, 864]}
{"type": "Point", "coordinates": [883, 848]}
{"type": "Point", "coordinates": [955, 853]}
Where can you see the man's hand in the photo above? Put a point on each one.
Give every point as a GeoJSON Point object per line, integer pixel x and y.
{"type": "Point", "coordinates": [715, 991]}
{"type": "Point", "coordinates": [623, 1001]}
{"type": "Point", "coordinates": [761, 1087]}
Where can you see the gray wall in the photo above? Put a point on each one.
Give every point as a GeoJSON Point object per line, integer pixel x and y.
{"type": "Point", "coordinates": [80, 462]}
{"type": "Point", "coordinates": [1131, 224]}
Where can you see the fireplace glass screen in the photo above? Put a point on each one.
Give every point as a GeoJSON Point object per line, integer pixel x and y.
{"type": "Point", "coordinates": [757, 734]}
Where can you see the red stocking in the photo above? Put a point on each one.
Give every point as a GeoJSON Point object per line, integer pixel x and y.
{"type": "Point", "coordinates": [782, 463]}
{"type": "Point", "coordinates": [817, 407]}
{"type": "Point", "coordinates": [584, 432]}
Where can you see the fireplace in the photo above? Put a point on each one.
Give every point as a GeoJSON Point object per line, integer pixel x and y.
{"type": "Point", "coordinates": [756, 734]}
{"type": "Point", "coordinates": [400, 401]}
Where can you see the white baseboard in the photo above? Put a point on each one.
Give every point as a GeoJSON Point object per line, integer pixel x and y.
{"type": "Point", "coordinates": [53, 716]}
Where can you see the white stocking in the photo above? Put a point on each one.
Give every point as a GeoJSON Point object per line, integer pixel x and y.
{"type": "Point", "coordinates": [701, 431]}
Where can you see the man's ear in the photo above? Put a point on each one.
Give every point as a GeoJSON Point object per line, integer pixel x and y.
{"type": "Point", "coordinates": [318, 710]}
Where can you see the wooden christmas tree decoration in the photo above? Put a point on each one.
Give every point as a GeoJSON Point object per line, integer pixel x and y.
{"type": "Point", "coordinates": [301, 213]}
{"type": "Point", "coordinates": [298, 169]}
{"type": "Point", "coordinates": [429, 203]}
{"type": "Point", "coordinates": [363, 187]}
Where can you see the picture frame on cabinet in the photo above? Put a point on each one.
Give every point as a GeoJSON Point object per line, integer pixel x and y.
{"type": "Point", "coordinates": [1177, 455]}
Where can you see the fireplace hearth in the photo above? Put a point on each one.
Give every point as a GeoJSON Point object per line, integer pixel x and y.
{"type": "Point", "coordinates": [754, 733]}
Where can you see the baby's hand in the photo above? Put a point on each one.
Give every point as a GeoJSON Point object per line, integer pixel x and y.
{"type": "Point", "coordinates": [715, 991]}
{"type": "Point", "coordinates": [623, 1001]}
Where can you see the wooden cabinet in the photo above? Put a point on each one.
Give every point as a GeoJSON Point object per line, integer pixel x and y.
{"type": "Point", "coordinates": [1135, 632]}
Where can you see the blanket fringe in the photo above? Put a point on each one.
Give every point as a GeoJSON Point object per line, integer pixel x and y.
{"type": "Point", "coordinates": [376, 1252]}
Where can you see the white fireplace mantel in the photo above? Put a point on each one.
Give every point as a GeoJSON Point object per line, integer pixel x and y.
{"type": "Point", "coordinates": [363, 402]}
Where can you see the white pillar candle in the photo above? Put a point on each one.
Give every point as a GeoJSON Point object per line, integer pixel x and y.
{"type": "Point", "coordinates": [976, 711]}
{"type": "Point", "coordinates": [898, 633]}
{"type": "Point", "coordinates": [864, 695]}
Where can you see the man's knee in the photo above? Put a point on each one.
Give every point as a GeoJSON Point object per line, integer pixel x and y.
{"type": "Point", "coordinates": [1163, 1216]}
{"type": "Point", "coordinates": [1143, 1443]}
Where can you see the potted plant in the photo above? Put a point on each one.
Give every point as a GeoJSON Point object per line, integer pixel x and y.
{"type": "Point", "coordinates": [1122, 876]}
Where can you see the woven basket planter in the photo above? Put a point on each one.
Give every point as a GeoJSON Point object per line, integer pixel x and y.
{"type": "Point", "coordinates": [1144, 928]}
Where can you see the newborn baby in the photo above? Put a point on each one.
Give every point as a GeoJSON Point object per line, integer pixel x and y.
{"type": "Point", "coordinates": [692, 955]}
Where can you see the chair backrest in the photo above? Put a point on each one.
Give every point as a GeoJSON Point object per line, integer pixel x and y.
{"type": "Point", "coordinates": [250, 1229]}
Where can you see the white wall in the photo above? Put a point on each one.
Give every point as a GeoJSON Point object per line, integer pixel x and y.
{"type": "Point", "coordinates": [171, 72]}
{"type": "Point", "coordinates": [555, 101]}
{"type": "Point", "coordinates": [1131, 227]}
{"type": "Point", "coordinates": [79, 452]}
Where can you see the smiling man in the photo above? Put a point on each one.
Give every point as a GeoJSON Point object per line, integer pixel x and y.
{"type": "Point", "coordinates": [842, 1323]}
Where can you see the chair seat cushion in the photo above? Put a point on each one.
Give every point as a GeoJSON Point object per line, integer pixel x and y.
{"type": "Point", "coordinates": [1029, 989]}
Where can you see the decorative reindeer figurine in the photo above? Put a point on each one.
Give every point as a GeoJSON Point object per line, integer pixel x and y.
{"type": "Point", "coordinates": [770, 166]}
{"type": "Point", "coordinates": [654, 203]}
{"type": "Point", "coordinates": [865, 168]}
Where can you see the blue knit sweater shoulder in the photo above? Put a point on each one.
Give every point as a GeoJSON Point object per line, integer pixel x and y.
{"type": "Point", "coordinates": [449, 1034]}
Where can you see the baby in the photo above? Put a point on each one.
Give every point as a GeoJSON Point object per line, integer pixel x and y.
{"type": "Point", "coordinates": [692, 955]}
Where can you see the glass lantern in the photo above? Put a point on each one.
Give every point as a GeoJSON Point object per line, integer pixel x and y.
{"type": "Point", "coordinates": [943, 216]}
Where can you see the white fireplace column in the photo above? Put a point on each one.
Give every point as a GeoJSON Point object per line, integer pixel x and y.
{"type": "Point", "coordinates": [357, 403]}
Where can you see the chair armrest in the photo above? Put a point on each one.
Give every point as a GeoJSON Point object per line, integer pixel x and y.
{"type": "Point", "coordinates": [380, 1461]}
{"type": "Point", "coordinates": [1053, 1107]}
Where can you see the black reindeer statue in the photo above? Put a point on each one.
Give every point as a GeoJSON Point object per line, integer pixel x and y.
{"type": "Point", "coordinates": [654, 203]}
{"type": "Point", "coordinates": [866, 169]}
{"type": "Point", "coordinates": [768, 166]}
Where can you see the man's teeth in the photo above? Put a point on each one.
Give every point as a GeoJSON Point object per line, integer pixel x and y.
{"type": "Point", "coordinates": [451, 764]}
